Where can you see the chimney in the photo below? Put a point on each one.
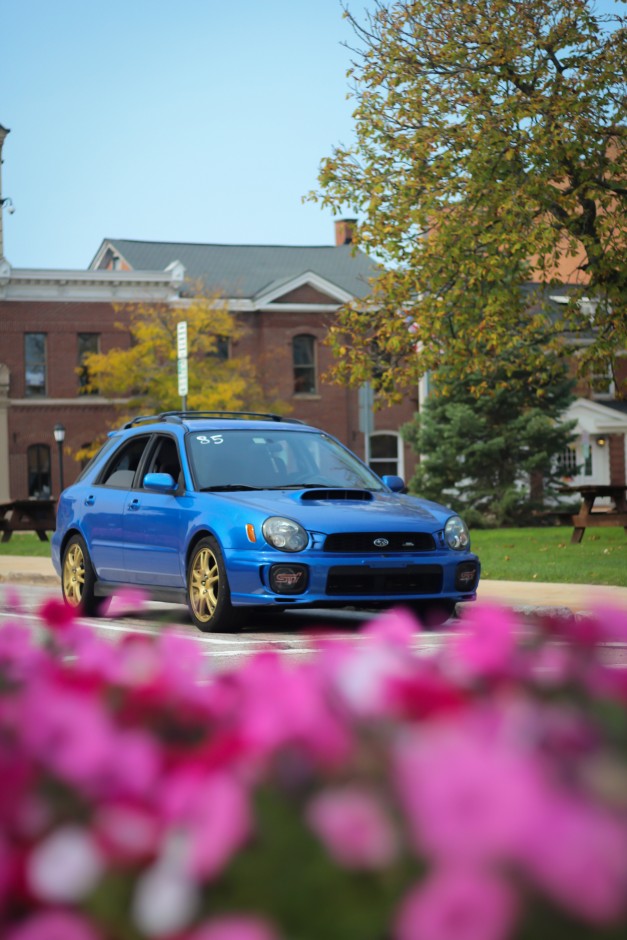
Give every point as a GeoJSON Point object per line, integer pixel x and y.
{"type": "Point", "coordinates": [344, 231]}
{"type": "Point", "coordinates": [3, 133]}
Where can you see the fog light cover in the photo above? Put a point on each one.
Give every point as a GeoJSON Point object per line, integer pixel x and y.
{"type": "Point", "coordinates": [288, 579]}
{"type": "Point", "coordinates": [466, 576]}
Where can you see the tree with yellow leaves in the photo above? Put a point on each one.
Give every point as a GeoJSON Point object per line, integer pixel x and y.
{"type": "Point", "coordinates": [143, 376]}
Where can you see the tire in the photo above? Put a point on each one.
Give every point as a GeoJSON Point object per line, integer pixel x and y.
{"type": "Point", "coordinates": [78, 579]}
{"type": "Point", "coordinates": [208, 593]}
{"type": "Point", "coordinates": [433, 614]}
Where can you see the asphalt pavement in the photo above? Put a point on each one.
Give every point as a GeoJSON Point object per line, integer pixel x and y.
{"type": "Point", "coordinates": [525, 596]}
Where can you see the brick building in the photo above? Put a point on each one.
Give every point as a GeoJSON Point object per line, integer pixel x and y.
{"type": "Point", "coordinates": [283, 296]}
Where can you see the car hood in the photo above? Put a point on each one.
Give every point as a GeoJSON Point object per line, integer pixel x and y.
{"type": "Point", "coordinates": [336, 509]}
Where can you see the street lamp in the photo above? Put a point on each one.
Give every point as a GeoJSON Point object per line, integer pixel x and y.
{"type": "Point", "coordinates": [59, 436]}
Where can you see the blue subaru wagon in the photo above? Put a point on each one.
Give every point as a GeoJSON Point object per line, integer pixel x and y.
{"type": "Point", "coordinates": [232, 512]}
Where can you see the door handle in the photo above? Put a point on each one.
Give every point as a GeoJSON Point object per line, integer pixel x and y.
{"type": "Point", "coordinates": [90, 500]}
{"type": "Point", "coordinates": [134, 505]}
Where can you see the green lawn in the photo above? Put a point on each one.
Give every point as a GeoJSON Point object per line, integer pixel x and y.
{"type": "Point", "coordinates": [26, 543]}
{"type": "Point", "coordinates": [546, 554]}
{"type": "Point", "coordinates": [542, 554]}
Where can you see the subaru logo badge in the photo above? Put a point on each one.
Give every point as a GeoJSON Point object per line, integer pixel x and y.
{"type": "Point", "coordinates": [381, 543]}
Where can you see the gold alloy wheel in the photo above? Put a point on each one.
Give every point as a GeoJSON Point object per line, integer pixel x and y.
{"type": "Point", "coordinates": [203, 589]}
{"type": "Point", "coordinates": [74, 575]}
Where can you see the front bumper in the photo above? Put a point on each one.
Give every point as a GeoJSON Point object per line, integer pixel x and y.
{"type": "Point", "coordinates": [308, 579]}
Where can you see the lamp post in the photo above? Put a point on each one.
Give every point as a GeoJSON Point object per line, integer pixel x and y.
{"type": "Point", "coordinates": [59, 436]}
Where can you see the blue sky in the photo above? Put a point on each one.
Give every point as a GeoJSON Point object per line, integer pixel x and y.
{"type": "Point", "coordinates": [200, 121]}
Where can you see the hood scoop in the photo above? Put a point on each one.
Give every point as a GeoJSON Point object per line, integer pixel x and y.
{"type": "Point", "coordinates": [336, 494]}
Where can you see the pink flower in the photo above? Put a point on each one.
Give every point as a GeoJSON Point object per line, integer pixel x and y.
{"type": "Point", "coordinates": [234, 927]}
{"type": "Point", "coordinates": [68, 731]}
{"type": "Point", "coordinates": [395, 628]}
{"type": "Point", "coordinates": [457, 904]}
{"type": "Point", "coordinates": [280, 703]}
{"type": "Point", "coordinates": [365, 676]}
{"type": "Point", "coordinates": [578, 854]}
{"type": "Point", "coordinates": [486, 642]}
{"type": "Point", "coordinates": [466, 794]}
{"type": "Point", "coordinates": [54, 925]}
{"type": "Point", "coordinates": [214, 811]}
{"type": "Point", "coordinates": [19, 656]}
{"type": "Point", "coordinates": [354, 827]}
{"type": "Point", "coordinates": [127, 601]}
{"type": "Point", "coordinates": [126, 833]}
{"type": "Point", "coordinates": [56, 615]}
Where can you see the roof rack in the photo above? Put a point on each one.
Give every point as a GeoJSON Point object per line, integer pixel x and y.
{"type": "Point", "coordinates": [178, 417]}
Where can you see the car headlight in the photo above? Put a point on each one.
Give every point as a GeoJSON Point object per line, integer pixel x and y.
{"type": "Point", "coordinates": [284, 534]}
{"type": "Point", "coordinates": [456, 533]}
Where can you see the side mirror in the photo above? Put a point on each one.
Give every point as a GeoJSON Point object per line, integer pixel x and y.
{"type": "Point", "coordinates": [396, 484]}
{"type": "Point", "coordinates": [161, 482]}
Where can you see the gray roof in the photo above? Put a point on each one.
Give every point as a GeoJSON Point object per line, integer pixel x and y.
{"type": "Point", "coordinates": [245, 271]}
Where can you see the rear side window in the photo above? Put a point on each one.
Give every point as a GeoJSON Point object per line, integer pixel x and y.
{"type": "Point", "coordinates": [108, 445]}
{"type": "Point", "coordinates": [121, 469]}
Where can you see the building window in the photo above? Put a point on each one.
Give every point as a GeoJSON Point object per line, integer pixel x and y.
{"type": "Point", "coordinates": [39, 483]}
{"type": "Point", "coordinates": [304, 361]}
{"type": "Point", "coordinates": [88, 343]}
{"type": "Point", "coordinates": [602, 384]}
{"type": "Point", "coordinates": [576, 461]}
{"type": "Point", "coordinates": [567, 465]}
{"type": "Point", "coordinates": [35, 364]}
{"type": "Point", "coordinates": [384, 454]}
{"type": "Point", "coordinates": [222, 350]}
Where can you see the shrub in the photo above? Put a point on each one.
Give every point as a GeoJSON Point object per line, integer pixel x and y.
{"type": "Point", "coordinates": [364, 793]}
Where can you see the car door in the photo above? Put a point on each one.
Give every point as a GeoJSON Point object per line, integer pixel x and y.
{"type": "Point", "coordinates": [153, 527]}
{"type": "Point", "coordinates": [104, 503]}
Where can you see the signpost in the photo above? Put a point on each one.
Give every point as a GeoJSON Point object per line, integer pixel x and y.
{"type": "Point", "coordinates": [181, 361]}
{"type": "Point", "coordinates": [366, 416]}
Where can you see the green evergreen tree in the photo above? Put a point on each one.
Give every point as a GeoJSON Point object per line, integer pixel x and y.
{"type": "Point", "coordinates": [492, 457]}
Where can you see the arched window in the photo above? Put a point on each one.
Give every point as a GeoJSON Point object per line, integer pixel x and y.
{"type": "Point", "coordinates": [385, 453]}
{"type": "Point", "coordinates": [39, 484]}
{"type": "Point", "coordinates": [304, 364]}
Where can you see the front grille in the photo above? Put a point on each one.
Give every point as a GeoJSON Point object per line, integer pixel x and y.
{"type": "Point", "coordinates": [363, 542]}
{"type": "Point", "coordinates": [386, 582]}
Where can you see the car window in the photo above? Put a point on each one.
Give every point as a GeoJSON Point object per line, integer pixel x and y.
{"type": "Point", "coordinates": [121, 469]}
{"type": "Point", "coordinates": [266, 460]}
{"type": "Point", "coordinates": [164, 457]}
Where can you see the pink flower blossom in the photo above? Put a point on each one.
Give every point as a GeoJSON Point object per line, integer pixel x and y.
{"type": "Point", "coordinates": [54, 925]}
{"type": "Point", "coordinates": [353, 825]}
{"type": "Point", "coordinates": [69, 732]}
{"type": "Point", "coordinates": [577, 853]}
{"type": "Point", "coordinates": [126, 832]}
{"type": "Point", "coordinates": [56, 615]}
{"type": "Point", "coordinates": [281, 703]}
{"type": "Point", "coordinates": [19, 656]}
{"type": "Point", "coordinates": [127, 601]}
{"type": "Point", "coordinates": [234, 927]}
{"type": "Point", "coordinates": [466, 794]}
{"type": "Point", "coordinates": [485, 644]}
{"type": "Point", "coordinates": [457, 904]}
{"type": "Point", "coordinates": [214, 812]}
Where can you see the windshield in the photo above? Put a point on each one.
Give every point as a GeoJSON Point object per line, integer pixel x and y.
{"type": "Point", "coordinates": [248, 459]}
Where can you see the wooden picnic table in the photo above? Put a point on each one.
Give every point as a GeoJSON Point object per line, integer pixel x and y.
{"type": "Point", "coordinates": [612, 515]}
{"type": "Point", "coordinates": [27, 515]}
